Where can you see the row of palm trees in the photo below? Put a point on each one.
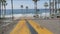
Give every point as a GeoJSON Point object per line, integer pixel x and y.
{"type": "Point", "coordinates": [25, 7]}
{"type": "Point", "coordinates": [54, 7]}
{"type": "Point", "coordinates": [3, 5]}
{"type": "Point", "coordinates": [35, 6]}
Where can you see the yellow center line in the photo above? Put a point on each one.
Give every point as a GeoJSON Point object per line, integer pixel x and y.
{"type": "Point", "coordinates": [21, 28]}
{"type": "Point", "coordinates": [38, 28]}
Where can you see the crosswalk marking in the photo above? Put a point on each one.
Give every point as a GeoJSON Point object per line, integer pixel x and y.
{"type": "Point", "coordinates": [21, 28]}
{"type": "Point", "coordinates": [38, 28]}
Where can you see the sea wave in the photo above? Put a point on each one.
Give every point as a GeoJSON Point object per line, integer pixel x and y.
{"type": "Point", "coordinates": [20, 15]}
{"type": "Point", "coordinates": [28, 15]}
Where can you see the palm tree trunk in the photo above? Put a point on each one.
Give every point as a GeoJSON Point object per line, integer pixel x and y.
{"type": "Point", "coordinates": [35, 7]}
{"type": "Point", "coordinates": [53, 5]}
{"type": "Point", "coordinates": [0, 9]}
{"type": "Point", "coordinates": [36, 13]}
{"type": "Point", "coordinates": [56, 6]}
{"type": "Point", "coordinates": [12, 8]}
{"type": "Point", "coordinates": [4, 10]}
{"type": "Point", "coordinates": [45, 12]}
{"type": "Point", "coordinates": [50, 7]}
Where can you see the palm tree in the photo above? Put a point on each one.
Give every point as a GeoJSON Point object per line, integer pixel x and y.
{"type": "Point", "coordinates": [52, 9]}
{"type": "Point", "coordinates": [26, 8]}
{"type": "Point", "coordinates": [3, 6]}
{"type": "Point", "coordinates": [22, 8]}
{"type": "Point", "coordinates": [55, 6]}
{"type": "Point", "coordinates": [58, 6]}
{"type": "Point", "coordinates": [45, 5]}
{"type": "Point", "coordinates": [0, 8]}
{"type": "Point", "coordinates": [52, 5]}
{"type": "Point", "coordinates": [12, 8]}
{"type": "Point", "coordinates": [35, 5]}
{"type": "Point", "coordinates": [59, 10]}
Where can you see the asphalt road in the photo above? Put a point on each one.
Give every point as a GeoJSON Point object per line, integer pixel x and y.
{"type": "Point", "coordinates": [51, 24]}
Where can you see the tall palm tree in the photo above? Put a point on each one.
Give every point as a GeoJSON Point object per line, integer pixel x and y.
{"type": "Point", "coordinates": [12, 9]}
{"type": "Point", "coordinates": [3, 4]}
{"type": "Point", "coordinates": [59, 10]}
{"type": "Point", "coordinates": [45, 5]}
{"type": "Point", "coordinates": [35, 5]}
{"type": "Point", "coordinates": [22, 8]}
{"type": "Point", "coordinates": [56, 6]}
{"type": "Point", "coordinates": [50, 7]}
{"type": "Point", "coordinates": [0, 8]}
{"type": "Point", "coordinates": [58, 2]}
{"type": "Point", "coordinates": [26, 8]}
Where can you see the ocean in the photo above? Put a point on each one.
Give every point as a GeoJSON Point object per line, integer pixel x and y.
{"type": "Point", "coordinates": [27, 12]}
{"type": "Point", "coordinates": [24, 11]}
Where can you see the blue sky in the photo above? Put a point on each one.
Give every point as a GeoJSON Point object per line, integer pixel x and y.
{"type": "Point", "coordinates": [28, 3]}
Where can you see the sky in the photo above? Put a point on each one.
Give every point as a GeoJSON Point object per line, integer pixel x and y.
{"type": "Point", "coordinates": [17, 4]}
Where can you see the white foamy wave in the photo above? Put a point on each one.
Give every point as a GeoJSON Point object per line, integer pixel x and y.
{"type": "Point", "coordinates": [20, 15]}
{"type": "Point", "coordinates": [45, 14]}
{"type": "Point", "coordinates": [28, 15]}
{"type": "Point", "coordinates": [15, 15]}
